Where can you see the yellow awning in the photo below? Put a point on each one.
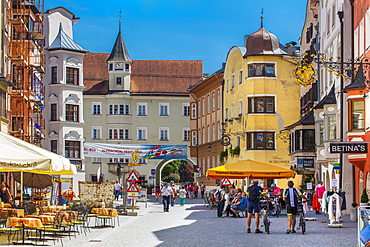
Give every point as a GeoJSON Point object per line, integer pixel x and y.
{"type": "Point", "coordinates": [250, 169]}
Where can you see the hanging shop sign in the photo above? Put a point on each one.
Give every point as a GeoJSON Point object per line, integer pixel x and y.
{"type": "Point", "coordinates": [104, 150]}
{"type": "Point", "coordinates": [305, 163]}
{"type": "Point", "coordinates": [348, 147]}
{"type": "Point", "coordinates": [304, 72]}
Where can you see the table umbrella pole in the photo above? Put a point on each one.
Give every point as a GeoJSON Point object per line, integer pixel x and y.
{"type": "Point", "coordinates": [21, 186]}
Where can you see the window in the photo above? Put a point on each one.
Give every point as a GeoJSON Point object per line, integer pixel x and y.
{"type": "Point", "coordinates": [218, 99]}
{"type": "Point", "coordinates": [203, 108]}
{"type": "Point", "coordinates": [261, 104]}
{"type": "Point", "coordinates": [357, 115]}
{"type": "Point", "coordinates": [164, 134]}
{"type": "Point", "coordinates": [122, 134]}
{"type": "Point", "coordinates": [240, 77]}
{"type": "Point", "coordinates": [260, 140]}
{"type": "Point", "coordinates": [119, 109]}
{"type": "Point", "coordinates": [199, 108]}
{"type": "Point", "coordinates": [72, 149]}
{"type": "Point", "coordinates": [227, 85]}
{"type": "Point", "coordinates": [321, 133]}
{"type": "Point", "coordinates": [53, 112]}
{"type": "Point", "coordinates": [193, 110]}
{"type": "Point", "coordinates": [219, 131]}
{"type": "Point", "coordinates": [261, 69]}
{"type": "Point", "coordinates": [208, 134]}
{"type": "Point", "coordinates": [186, 109]}
{"type": "Point", "coordinates": [332, 127]}
{"type": "Point", "coordinates": [240, 108]}
{"type": "Point", "coordinates": [185, 134]}
{"type": "Point", "coordinates": [232, 81]}
{"type": "Point", "coordinates": [164, 109]}
{"type": "Point", "coordinates": [203, 136]}
{"type": "Point", "coordinates": [17, 123]}
{"type": "Point", "coordinates": [213, 102]}
{"type": "Point", "coordinates": [3, 104]}
{"type": "Point", "coordinates": [127, 67]}
{"type": "Point", "coordinates": [226, 114]}
{"type": "Point", "coordinates": [54, 146]}
{"type": "Point", "coordinates": [119, 81]}
{"type": "Point", "coordinates": [72, 113]}
{"type": "Point", "coordinates": [193, 138]}
{"type": "Point", "coordinates": [110, 66]}
{"type": "Point", "coordinates": [96, 108]}
{"type": "Point", "coordinates": [208, 104]}
{"type": "Point", "coordinates": [141, 133]}
{"type": "Point", "coordinates": [96, 160]}
{"type": "Point", "coordinates": [119, 160]}
{"type": "Point", "coordinates": [54, 75]}
{"type": "Point", "coordinates": [141, 109]}
{"type": "Point", "coordinates": [232, 111]}
{"type": "Point", "coordinates": [72, 76]}
{"type": "Point", "coordinates": [213, 132]}
{"type": "Point", "coordinates": [96, 132]}
{"type": "Point", "coordinates": [304, 140]}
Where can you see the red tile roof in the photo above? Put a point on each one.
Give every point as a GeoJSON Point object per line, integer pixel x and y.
{"type": "Point", "coordinates": [148, 77]}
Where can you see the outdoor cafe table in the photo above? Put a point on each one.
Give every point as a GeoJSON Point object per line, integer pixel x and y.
{"type": "Point", "coordinates": [54, 209]}
{"type": "Point", "coordinates": [45, 219]}
{"type": "Point", "coordinates": [25, 222]}
{"type": "Point", "coordinates": [68, 215]}
{"type": "Point", "coordinates": [105, 211]}
{"type": "Point", "coordinates": [16, 211]}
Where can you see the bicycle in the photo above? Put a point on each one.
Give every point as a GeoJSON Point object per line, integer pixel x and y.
{"type": "Point", "coordinates": [264, 215]}
{"type": "Point", "coordinates": [302, 220]}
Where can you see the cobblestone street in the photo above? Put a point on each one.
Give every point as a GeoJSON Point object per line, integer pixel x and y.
{"type": "Point", "coordinates": [196, 225]}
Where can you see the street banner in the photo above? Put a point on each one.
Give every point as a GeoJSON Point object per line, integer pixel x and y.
{"type": "Point", "coordinates": [164, 152]}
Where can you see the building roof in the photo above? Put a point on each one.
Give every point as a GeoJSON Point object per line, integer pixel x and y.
{"type": "Point", "coordinates": [328, 99]}
{"type": "Point", "coordinates": [148, 77]}
{"type": "Point", "coordinates": [63, 42]}
{"type": "Point", "coordinates": [306, 120]}
{"type": "Point", "coordinates": [358, 81]}
{"type": "Point", "coordinates": [263, 42]}
{"type": "Point", "coordinates": [119, 51]}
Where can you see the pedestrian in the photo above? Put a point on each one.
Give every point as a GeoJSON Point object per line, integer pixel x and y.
{"type": "Point", "coordinates": [5, 195]}
{"type": "Point", "coordinates": [291, 196]}
{"type": "Point", "coordinates": [190, 190]}
{"type": "Point", "coordinates": [254, 195]}
{"type": "Point", "coordinates": [117, 188]}
{"type": "Point", "coordinates": [157, 192]}
{"type": "Point", "coordinates": [202, 189]}
{"type": "Point", "coordinates": [220, 196]}
{"type": "Point", "coordinates": [173, 196]}
{"type": "Point", "coordinates": [166, 194]}
{"type": "Point", "coordinates": [195, 190]}
{"type": "Point", "coordinates": [182, 194]}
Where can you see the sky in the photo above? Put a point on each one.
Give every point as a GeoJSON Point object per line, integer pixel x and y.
{"type": "Point", "coordinates": [180, 29]}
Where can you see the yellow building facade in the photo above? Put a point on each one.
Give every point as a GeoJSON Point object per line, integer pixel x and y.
{"type": "Point", "coordinates": [260, 98]}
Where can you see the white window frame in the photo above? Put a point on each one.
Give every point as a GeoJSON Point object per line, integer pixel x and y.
{"type": "Point", "coordinates": [194, 138]}
{"type": "Point", "coordinates": [98, 104]}
{"type": "Point", "coordinates": [227, 85]}
{"type": "Point", "coordinates": [96, 160]}
{"type": "Point", "coordinates": [145, 129]}
{"type": "Point", "coordinates": [218, 131]}
{"type": "Point", "coordinates": [208, 103]}
{"type": "Point", "coordinates": [166, 112]}
{"type": "Point", "coordinates": [240, 77]}
{"type": "Point", "coordinates": [193, 110]}
{"type": "Point", "coordinates": [226, 113]}
{"type": "Point", "coordinates": [203, 107]}
{"type": "Point", "coordinates": [185, 134]}
{"type": "Point", "coordinates": [145, 109]}
{"type": "Point", "coordinates": [184, 107]}
{"type": "Point", "coordinates": [218, 99]}
{"type": "Point", "coordinates": [240, 108]}
{"type": "Point", "coordinates": [213, 132]}
{"type": "Point", "coordinates": [213, 102]}
{"type": "Point", "coordinates": [208, 133]}
{"type": "Point", "coordinates": [99, 128]}
{"type": "Point", "coordinates": [125, 132]}
{"type": "Point", "coordinates": [118, 109]}
{"type": "Point", "coordinates": [167, 133]}
{"type": "Point", "coordinates": [232, 112]}
{"type": "Point", "coordinates": [327, 127]}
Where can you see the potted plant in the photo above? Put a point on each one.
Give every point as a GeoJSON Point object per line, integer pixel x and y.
{"type": "Point", "coordinates": [353, 212]}
{"type": "Point", "coordinates": [364, 198]}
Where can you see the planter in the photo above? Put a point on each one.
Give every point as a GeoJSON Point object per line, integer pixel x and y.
{"type": "Point", "coordinates": [353, 215]}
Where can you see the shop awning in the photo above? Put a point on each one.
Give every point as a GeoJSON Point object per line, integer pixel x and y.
{"type": "Point", "coordinates": [18, 155]}
{"type": "Point", "coordinates": [249, 169]}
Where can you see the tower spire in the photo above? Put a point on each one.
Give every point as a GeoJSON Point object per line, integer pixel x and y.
{"type": "Point", "coordinates": [262, 18]}
{"type": "Point", "coordinates": [120, 20]}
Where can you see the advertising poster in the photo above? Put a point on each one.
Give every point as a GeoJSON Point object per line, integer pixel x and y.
{"type": "Point", "coordinates": [363, 226]}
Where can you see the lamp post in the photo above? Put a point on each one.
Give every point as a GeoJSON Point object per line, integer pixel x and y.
{"type": "Point", "coordinates": [340, 16]}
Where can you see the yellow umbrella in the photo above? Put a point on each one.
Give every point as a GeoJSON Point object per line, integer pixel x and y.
{"type": "Point", "coordinates": [250, 169]}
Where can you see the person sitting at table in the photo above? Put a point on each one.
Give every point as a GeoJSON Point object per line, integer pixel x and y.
{"type": "Point", "coordinates": [5, 195]}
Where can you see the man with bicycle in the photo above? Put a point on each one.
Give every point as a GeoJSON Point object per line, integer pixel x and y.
{"type": "Point", "coordinates": [254, 195]}
{"type": "Point", "coordinates": [291, 196]}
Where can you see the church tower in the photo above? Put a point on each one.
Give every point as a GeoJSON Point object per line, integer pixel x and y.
{"type": "Point", "coordinates": [119, 66]}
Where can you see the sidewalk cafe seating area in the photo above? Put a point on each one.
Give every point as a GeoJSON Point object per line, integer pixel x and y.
{"type": "Point", "coordinates": [38, 225]}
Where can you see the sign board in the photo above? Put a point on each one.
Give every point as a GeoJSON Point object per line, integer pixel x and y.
{"type": "Point", "coordinates": [133, 177]}
{"type": "Point", "coordinates": [334, 182]}
{"type": "Point", "coordinates": [150, 177]}
{"type": "Point", "coordinates": [163, 152]}
{"type": "Point", "coordinates": [305, 163]}
{"type": "Point", "coordinates": [225, 182]}
{"type": "Point", "coordinates": [348, 147]}
{"type": "Point", "coordinates": [309, 185]}
{"type": "Point", "coordinates": [133, 195]}
{"type": "Point", "coordinates": [198, 169]}
{"type": "Point", "coordinates": [133, 188]}
{"type": "Point", "coordinates": [152, 171]}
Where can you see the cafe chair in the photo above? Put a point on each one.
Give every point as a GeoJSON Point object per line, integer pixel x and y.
{"type": "Point", "coordinates": [55, 228]}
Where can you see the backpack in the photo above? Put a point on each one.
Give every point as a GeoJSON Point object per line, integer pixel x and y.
{"type": "Point", "coordinates": [253, 194]}
{"type": "Point", "coordinates": [219, 195]}
{"type": "Point", "coordinates": [287, 195]}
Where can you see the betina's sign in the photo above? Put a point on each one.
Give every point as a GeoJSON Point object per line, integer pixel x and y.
{"type": "Point", "coordinates": [348, 147]}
